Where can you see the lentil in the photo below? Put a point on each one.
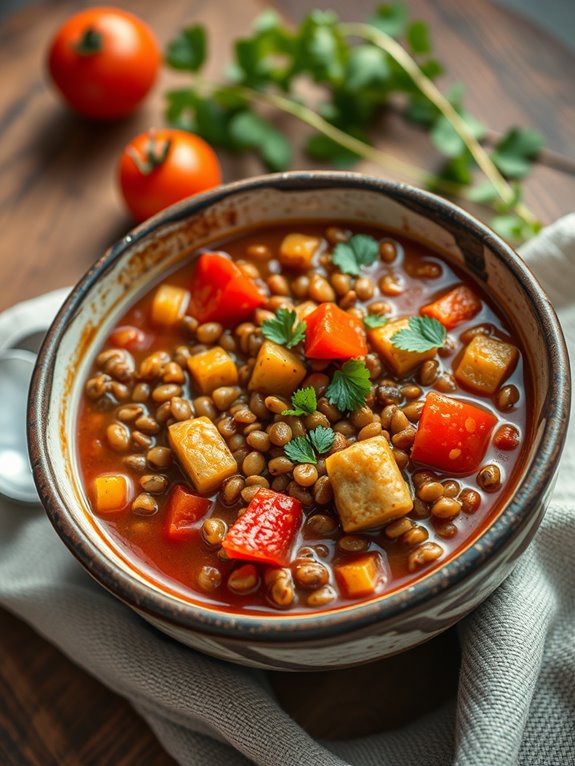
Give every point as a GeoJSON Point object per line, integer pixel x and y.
{"type": "Point", "coordinates": [424, 554]}
{"type": "Point", "coordinates": [489, 478]}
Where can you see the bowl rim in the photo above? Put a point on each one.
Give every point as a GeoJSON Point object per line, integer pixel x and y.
{"type": "Point", "coordinates": [389, 608]}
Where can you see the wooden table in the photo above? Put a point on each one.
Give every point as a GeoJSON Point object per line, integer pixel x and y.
{"type": "Point", "coordinates": [59, 209]}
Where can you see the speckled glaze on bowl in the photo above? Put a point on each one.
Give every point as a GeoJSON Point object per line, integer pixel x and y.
{"type": "Point", "coordinates": [332, 638]}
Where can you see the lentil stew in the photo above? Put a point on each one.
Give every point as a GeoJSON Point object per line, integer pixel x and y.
{"type": "Point", "coordinates": [301, 418]}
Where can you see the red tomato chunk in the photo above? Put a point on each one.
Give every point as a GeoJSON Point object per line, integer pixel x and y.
{"type": "Point", "coordinates": [221, 292]}
{"type": "Point", "coordinates": [333, 334]}
{"type": "Point", "coordinates": [183, 512]}
{"type": "Point", "coordinates": [456, 306]}
{"type": "Point", "coordinates": [265, 532]}
{"type": "Point", "coordinates": [453, 435]}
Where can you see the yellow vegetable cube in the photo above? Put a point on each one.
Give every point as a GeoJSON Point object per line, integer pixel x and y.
{"type": "Point", "coordinates": [297, 250]}
{"type": "Point", "coordinates": [368, 486]}
{"type": "Point", "coordinates": [212, 369]}
{"type": "Point", "coordinates": [169, 305]}
{"type": "Point", "coordinates": [277, 371]}
{"type": "Point", "coordinates": [400, 362]}
{"type": "Point", "coordinates": [360, 577]}
{"type": "Point", "coordinates": [202, 453]}
{"type": "Point", "coordinates": [485, 364]}
{"type": "Point", "coordinates": [112, 493]}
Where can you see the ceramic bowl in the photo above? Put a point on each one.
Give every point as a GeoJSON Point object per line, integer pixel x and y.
{"type": "Point", "coordinates": [353, 634]}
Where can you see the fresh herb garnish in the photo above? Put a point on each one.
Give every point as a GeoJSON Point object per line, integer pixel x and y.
{"type": "Point", "coordinates": [188, 51]}
{"type": "Point", "coordinates": [284, 328]}
{"type": "Point", "coordinates": [375, 320]}
{"type": "Point", "coordinates": [423, 334]}
{"type": "Point", "coordinates": [360, 68]}
{"type": "Point", "coordinates": [304, 402]}
{"type": "Point", "coordinates": [349, 386]}
{"type": "Point", "coordinates": [301, 449]}
{"type": "Point", "coordinates": [322, 438]}
{"type": "Point", "coordinates": [360, 250]}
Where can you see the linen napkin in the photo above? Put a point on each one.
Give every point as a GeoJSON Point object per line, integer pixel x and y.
{"type": "Point", "coordinates": [516, 697]}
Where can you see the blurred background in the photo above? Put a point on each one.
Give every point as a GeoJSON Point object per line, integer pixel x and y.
{"type": "Point", "coordinates": [555, 16]}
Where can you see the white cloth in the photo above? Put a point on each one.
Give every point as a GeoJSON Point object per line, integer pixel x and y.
{"type": "Point", "coordinates": [516, 698]}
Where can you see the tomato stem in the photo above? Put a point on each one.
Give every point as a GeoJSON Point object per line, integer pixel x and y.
{"type": "Point", "coordinates": [89, 43]}
{"type": "Point", "coordinates": [154, 156]}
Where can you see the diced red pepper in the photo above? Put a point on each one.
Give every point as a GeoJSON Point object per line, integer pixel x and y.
{"type": "Point", "coordinates": [265, 532]}
{"type": "Point", "coordinates": [452, 434]}
{"type": "Point", "coordinates": [221, 292]}
{"type": "Point", "coordinates": [183, 511]}
{"type": "Point", "coordinates": [131, 338]}
{"type": "Point", "coordinates": [454, 307]}
{"type": "Point", "coordinates": [333, 334]}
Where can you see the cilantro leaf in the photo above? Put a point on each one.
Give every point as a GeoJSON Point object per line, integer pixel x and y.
{"type": "Point", "coordinates": [418, 37]}
{"type": "Point", "coordinates": [304, 402]}
{"type": "Point", "coordinates": [300, 450]}
{"type": "Point", "coordinates": [349, 386]}
{"type": "Point", "coordinates": [448, 140]}
{"type": "Point", "coordinates": [349, 257]}
{"type": "Point", "coordinates": [367, 67]}
{"type": "Point", "coordinates": [322, 438]}
{"type": "Point", "coordinates": [423, 334]}
{"type": "Point", "coordinates": [375, 320]}
{"type": "Point", "coordinates": [391, 19]}
{"type": "Point", "coordinates": [322, 148]}
{"type": "Point", "coordinates": [482, 193]}
{"type": "Point", "coordinates": [187, 51]}
{"type": "Point", "coordinates": [513, 154]}
{"type": "Point", "coordinates": [284, 328]}
{"type": "Point", "coordinates": [250, 131]}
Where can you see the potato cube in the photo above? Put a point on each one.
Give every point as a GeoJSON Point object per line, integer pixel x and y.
{"type": "Point", "coordinates": [277, 371]}
{"type": "Point", "coordinates": [360, 577]}
{"type": "Point", "coordinates": [485, 364]}
{"type": "Point", "coordinates": [297, 250]}
{"type": "Point", "coordinates": [169, 305]}
{"type": "Point", "coordinates": [202, 453]}
{"type": "Point", "coordinates": [112, 493]}
{"type": "Point", "coordinates": [368, 486]}
{"type": "Point", "coordinates": [400, 362]}
{"type": "Point", "coordinates": [212, 369]}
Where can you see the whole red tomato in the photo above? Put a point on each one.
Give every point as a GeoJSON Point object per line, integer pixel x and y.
{"type": "Point", "coordinates": [104, 61]}
{"type": "Point", "coordinates": [161, 167]}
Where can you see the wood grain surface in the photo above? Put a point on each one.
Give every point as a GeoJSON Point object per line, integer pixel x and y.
{"type": "Point", "coordinates": [59, 209]}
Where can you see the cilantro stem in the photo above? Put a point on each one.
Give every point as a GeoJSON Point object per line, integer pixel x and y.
{"type": "Point", "coordinates": [430, 90]}
{"type": "Point", "coordinates": [310, 117]}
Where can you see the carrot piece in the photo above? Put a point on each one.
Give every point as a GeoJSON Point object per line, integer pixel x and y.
{"type": "Point", "coordinates": [333, 334]}
{"type": "Point", "coordinates": [183, 511]}
{"type": "Point", "coordinates": [456, 306]}
{"type": "Point", "coordinates": [221, 292]}
{"type": "Point", "coordinates": [360, 577]}
{"type": "Point", "coordinates": [452, 434]}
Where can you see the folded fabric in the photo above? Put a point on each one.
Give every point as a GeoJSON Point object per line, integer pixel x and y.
{"type": "Point", "coordinates": [516, 698]}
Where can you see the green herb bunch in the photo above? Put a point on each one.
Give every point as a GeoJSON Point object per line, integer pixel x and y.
{"type": "Point", "coordinates": [360, 68]}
